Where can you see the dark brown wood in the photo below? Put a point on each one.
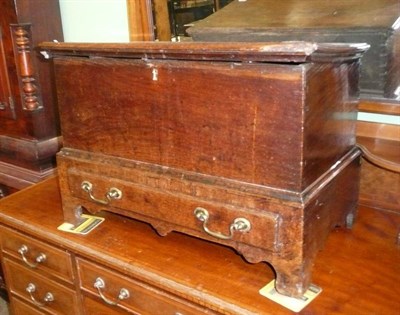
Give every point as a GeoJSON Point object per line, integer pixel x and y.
{"type": "Point", "coordinates": [260, 134]}
{"type": "Point", "coordinates": [351, 21]}
{"type": "Point", "coordinates": [286, 52]}
{"type": "Point", "coordinates": [358, 269]}
{"type": "Point", "coordinates": [28, 113]}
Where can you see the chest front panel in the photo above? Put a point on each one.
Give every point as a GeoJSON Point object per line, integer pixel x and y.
{"type": "Point", "coordinates": [234, 120]}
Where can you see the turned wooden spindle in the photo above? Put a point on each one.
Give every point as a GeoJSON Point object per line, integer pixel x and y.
{"type": "Point", "coordinates": [30, 91]}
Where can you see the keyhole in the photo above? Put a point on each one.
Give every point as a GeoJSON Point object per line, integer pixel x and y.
{"type": "Point", "coordinates": [155, 74]}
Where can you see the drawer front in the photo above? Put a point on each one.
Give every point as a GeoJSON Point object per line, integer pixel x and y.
{"type": "Point", "coordinates": [92, 306]}
{"type": "Point", "coordinates": [19, 307]}
{"type": "Point", "coordinates": [37, 255]}
{"type": "Point", "coordinates": [181, 210]}
{"type": "Point", "coordinates": [226, 124]}
{"type": "Point", "coordinates": [45, 294]}
{"type": "Point", "coordinates": [128, 294]}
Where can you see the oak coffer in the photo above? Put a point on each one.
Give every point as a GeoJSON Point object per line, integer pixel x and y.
{"type": "Point", "coordinates": [248, 145]}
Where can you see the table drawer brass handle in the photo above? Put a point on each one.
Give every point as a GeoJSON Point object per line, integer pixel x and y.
{"type": "Point", "coordinates": [113, 193]}
{"type": "Point", "coordinates": [48, 297]}
{"type": "Point", "coordinates": [39, 259]}
{"type": "Point", "coordinates": [99, 284]}
{"type": "Point", "coordinates": [239, 224]}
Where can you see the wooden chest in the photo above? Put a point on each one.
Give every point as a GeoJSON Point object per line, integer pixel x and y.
{"type": "Point", "coordinates": [250, 146]}
{"type": "Point", "coordinates": [375, 22]}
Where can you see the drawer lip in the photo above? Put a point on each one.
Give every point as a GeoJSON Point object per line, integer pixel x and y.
{"type": "Point", "coordinates": [55, 254]}
{"type": "Point", "coordinates": [43, 284]}
{"type": "Point", "coordinates": [17, 303]}
{"type": "Point", "coordinates": [135, 287]}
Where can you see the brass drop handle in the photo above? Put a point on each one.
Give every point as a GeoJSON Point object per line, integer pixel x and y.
{"type": "Point", "coordinates": [112, 193]}
{"type": "Point", "coordinates": [99, 284]}
{"type": "Point", "coordinates": [39, 259]}
{"type": "Point", "coordinates": [48, 297]}
{"type": "Point", "coordinates": [239, 224]}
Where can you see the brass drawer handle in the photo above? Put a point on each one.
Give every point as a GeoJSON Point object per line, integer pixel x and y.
{"type": "Point", "coordinates": [39, 259]}
{"type": "Point", "coordinates": [112, 193]}
{"type": "Point", "coordinates": [239, 224]}
{"type": "Point", "coordinates": [48, 297]}
{"type": "Point", "coordinates": [99, 284]}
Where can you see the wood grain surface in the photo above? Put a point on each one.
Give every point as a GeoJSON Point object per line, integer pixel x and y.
{"type": "Point", "coordinates": [358, 270]}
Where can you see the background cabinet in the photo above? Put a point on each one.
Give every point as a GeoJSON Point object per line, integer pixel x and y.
{"type": "Point", "coordinates": [29, 128]}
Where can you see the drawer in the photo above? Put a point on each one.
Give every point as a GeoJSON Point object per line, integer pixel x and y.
{"type": "Point", "coordinates": [178, 209]}
{"type": "Point", "coordinates": [35, 254]}
{"type": "Point", "coordinates": [119, 292]}
{"type": "Point", "coordinates": [40, 291]}
{"type": "Point", "coordinates": [19, 307]}
{"type": "Point", "coordinates": [92, 306]}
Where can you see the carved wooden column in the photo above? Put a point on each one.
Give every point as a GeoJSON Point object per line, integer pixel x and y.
{"type": "Point", "coordinates": [30, 95]}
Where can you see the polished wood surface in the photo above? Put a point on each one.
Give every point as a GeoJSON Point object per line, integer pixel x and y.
{"type": "Point", "coordinates": [145, 300]}
{"type": "Point", "coordinates": [58, 263]}
{"type": "Point", "coordinates": [381, 152]}
{"type": "Point", "coordinates": [379, 106]}
{"type": "Point", "coordinates": [380, 170]}
{"type": "Point", "coordinates": [18, 277]}
{"type": "Point", "coordinates": [380, 142]}
{"type": "Point", "coordinates": [140, 20]}
{"type": "Point", "coordinates": [379, 187]}
{"type": "Point", "coordinates": [358, 270]}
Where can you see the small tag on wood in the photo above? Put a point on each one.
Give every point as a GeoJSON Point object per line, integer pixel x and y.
{"type": "Point", "coordinates": [89, 222]}
{"type": "Point", "coordinates": [294, 304]}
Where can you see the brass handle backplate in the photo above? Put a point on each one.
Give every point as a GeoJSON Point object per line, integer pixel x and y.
{"type": "Point", "coordinates": [112, 194]}
{"type": "Point", "coordinates": [239, 225]}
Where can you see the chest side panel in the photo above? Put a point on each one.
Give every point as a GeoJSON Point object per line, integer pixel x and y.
{"type": "Point", "coordinates": [330, 116]}
{"type": "Point", "coordinates": [235, 120]}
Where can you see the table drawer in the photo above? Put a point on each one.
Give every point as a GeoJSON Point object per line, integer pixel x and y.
{"type": "Point", "coordinates": [19, 307]}
{"type": "Point", "coordinates": [45, 294]}
{"type": "Point", "coordinates": [178, 211]}
{"type": "Point", "coordinates": [93, 306]}
{"type": "Point", "coordinates": [118, 292]}
{"type": "Point", "coordinates": [37, 255]}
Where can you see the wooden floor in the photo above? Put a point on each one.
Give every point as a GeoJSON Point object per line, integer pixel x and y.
{"type": "Point", "coordinates": [358, 270]}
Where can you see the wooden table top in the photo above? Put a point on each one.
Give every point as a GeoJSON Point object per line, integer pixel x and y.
{"type": "Point", "coordinates": [358, 270]}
